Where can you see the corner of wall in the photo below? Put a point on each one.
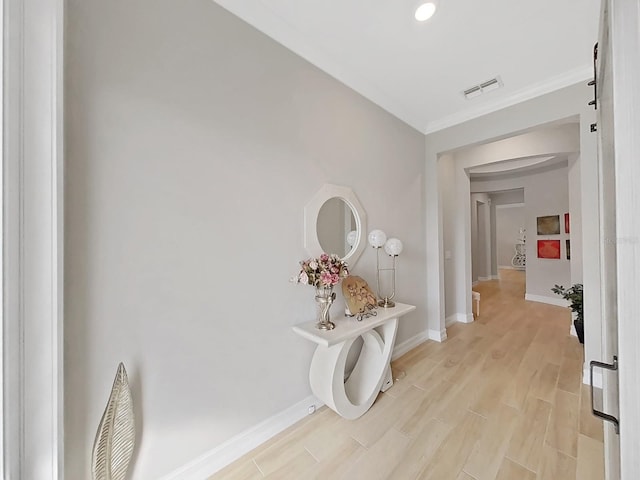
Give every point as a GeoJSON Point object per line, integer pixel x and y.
{"type": "Point", "coordinates": [559, 302]}
{"type": "Point", "coordinates": [234, 448]}
{"type": "Point", "coordinates": [411, 343]}
{"type": "Point", "coordinates": [438, 336]}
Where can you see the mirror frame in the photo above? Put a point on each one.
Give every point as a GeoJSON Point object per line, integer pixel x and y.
{"type": "Point", "coordinates": [312, 209]}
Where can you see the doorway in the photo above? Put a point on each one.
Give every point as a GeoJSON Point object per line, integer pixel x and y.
{"type": "Point", "coordinates": [533, 164]}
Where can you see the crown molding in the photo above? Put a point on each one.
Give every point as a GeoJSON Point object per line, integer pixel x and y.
{"type": "Point", "coordinates": [267, 21]}
{"type": "Point", "coordinates": [547, 86]}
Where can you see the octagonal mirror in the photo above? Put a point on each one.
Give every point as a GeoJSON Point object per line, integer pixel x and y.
{"type": "Point", "coordinates": [335, 222]}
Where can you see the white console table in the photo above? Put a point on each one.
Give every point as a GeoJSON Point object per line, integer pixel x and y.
{"type": "Point", "coordinates": [372, 372]}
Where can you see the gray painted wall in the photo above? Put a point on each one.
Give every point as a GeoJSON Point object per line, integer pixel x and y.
{"type": "Point", "coordinates": [509, 220]}
{"type": "Point", "coordinates": [500, 198]}
{"type": "Point", "coordinates": [193, 143]}
{"type": "Point", "coordinates": [480, 237]}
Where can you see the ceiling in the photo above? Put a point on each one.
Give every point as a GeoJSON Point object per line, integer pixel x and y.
{"type": "Point", "coordinates": [417, 71]}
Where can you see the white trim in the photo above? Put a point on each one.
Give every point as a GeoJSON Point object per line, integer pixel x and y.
{"type": "Point", "coordinates": [625, 39]}
{"type": "Point", "coordinates": [438, 336]}
{"type": "Point", "coordinates": [559, 302]}
{"type": "Point", "coordinates": [495, 277]}
{"type": "Point", "coordinates": [459, 318]}
{"type": "Point", "coordinates": [597, 377]}
{"type": "Point", "coordinates": [510, 205]}
{"type": "Point", "coordinates": [234, 448]}
{"type": "Point", "coordinates": [264, 19]}
{"type": "Point", "coordinates": [2, 263]}
{"type": "Point", "coordinates": [409, 344]}
{"type": "Point", "coordinates": [550, 85]}
{"type": "Point", "coordinates": [484, 279]}
{"type": "Point", "coordinates": [572, 331]}
{"type": "Point", "coordinates": [261, 17]}
{"type": "Point", "coordinates": [32, 240]}
{"type": "Point", "coordinates": [222, 455]}
{"type": "Point", "coordinates": [507, 267]}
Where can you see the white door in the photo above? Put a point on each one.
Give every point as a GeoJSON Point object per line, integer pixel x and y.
{"type": "Point", "coordinates": [619, 159]}
{"type": "Point", "coordinates": [608, 246]}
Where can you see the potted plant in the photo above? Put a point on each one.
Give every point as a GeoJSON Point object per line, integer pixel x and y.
{"type": "Point", "coordinates": [574, 296]}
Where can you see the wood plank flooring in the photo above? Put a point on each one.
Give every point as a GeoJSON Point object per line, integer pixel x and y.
{"type": "Point", "coordinates": [501, 399]}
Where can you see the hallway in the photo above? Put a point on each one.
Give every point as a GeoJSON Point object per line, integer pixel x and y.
{"type": "Point", "coordinates": [502, 399]}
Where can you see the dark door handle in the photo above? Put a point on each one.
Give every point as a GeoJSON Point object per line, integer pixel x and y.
{"type": "Point", "coordinates": [593, 83]}
{"type": "Point", "coordinates": [605, 416]}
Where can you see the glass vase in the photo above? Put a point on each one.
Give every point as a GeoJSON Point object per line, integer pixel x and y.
{"type": "Point", "coordinates": [324, 298]}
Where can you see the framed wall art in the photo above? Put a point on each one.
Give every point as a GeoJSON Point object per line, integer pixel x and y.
{"type": "Point", "coordinates": [549, 225]}
{"type": "Point", "coordinates": [566, 223]}
{"type": "Point", "coordinates": [549, 249]}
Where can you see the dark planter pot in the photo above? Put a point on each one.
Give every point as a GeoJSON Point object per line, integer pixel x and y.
{"type": "Point", "coordinates": [579, 330]}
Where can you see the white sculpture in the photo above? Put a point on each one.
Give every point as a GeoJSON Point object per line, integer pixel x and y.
{"type": "Point", "coordinates": [115, 439]}
{"type": "Point", "coordinates": [519, 260]}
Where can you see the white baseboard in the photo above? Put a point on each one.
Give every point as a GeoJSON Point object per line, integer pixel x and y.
{"type": "Point", "coordinates": [438, 336]}
{"type": "Point", "coordinates": [410, 344]}
{"type": "Point", "coordinates": [573, 330]}
{"type": "Point", "coordinates": [222, 455]}
{"type": "Point", "coordinates": [597, 377]}
{"type": "Point", "coordinates": [459, 318]}
{"type": "Point", "coordinates": [473, 284]}
{"type": "Point", "coordinates": [484, 279]}
{"type": "Point", "coordinates": [495, 277]}
{"type": "Point", "coordinates": [234, 448]}
{"type": "Point", "coordinates": [560, 302]}
{"type": "Point", "coordinates": [507, 267]}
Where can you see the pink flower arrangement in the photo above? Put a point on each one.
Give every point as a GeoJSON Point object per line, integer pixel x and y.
{"type": "Point", "coordinates": [325, 271]}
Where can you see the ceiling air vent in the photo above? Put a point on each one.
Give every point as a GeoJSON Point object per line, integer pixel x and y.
{"type": "Point", "coordinates": [484, 87]}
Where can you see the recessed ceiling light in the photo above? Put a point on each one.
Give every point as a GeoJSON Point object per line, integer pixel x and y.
{"type": "Point", "coordinates": [425, 11]}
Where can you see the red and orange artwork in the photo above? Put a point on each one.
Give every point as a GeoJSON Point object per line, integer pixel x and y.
{"type": "Point", "coordinates": [549, 249]}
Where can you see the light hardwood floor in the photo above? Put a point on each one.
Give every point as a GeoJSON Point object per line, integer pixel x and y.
{"type": "Point", "coordinates": [501, 399]}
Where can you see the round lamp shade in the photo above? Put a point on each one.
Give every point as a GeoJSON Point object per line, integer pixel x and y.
{"type": "Point", "coordinates": [393, 247]}
{"type": "Point", "coordinates": [352, 236]}
{"type": "Point", "coordinates": [377, 238]}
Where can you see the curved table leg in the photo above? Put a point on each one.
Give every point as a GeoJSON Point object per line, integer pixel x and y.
{"type": "Point", "coordinates": [351, 399]}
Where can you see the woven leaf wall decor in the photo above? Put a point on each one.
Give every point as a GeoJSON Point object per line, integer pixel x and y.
{"type": "Point", "coordinates": [115, 439]}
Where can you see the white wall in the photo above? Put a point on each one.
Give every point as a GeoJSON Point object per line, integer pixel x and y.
{"type": "Point", "coordinates": [508, 197]}
{"type": "Point", "coordinates": [509, 220]}
{"type": "Point", "coordinates": [480, 240]}
{"type": "Point", "coordinates": [193, 144]}
{"type": "Point", "coordinates": [575, 193]}
{"type": "Point", "coordinates": [447, 196]}
{"type": "Point", "coordinates": [484, 240]}
{"type": "Point", "coordinates": [553, 107]}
